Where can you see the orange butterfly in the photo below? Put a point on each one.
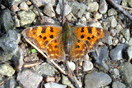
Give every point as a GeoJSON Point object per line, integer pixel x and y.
{"type": "Point", "coordinates": [57, 42]}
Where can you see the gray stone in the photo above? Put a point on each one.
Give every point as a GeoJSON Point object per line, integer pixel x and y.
{"type": "Point", "coordinates": [54, 85]}
{"type": "Point", "coordinates": [109, 40]}
{"type": "Point", "coordinates": [106, 24]}
{"type": "Point", "coordinates": [26, 17]}
{"type": "Point", "coordinates": [124, 2]}
{"type": "Point", "coordinates": [66, 81]}
{"type": "Point", "coordinates": [40, 3]}
{"type": "Point", "coordinates": [24, 6]}
{"type": "Point", "coordinates": [96, 24]}
{"type": "Point", "coordinates": [101, 56]}
{"type": "Point", "coordinates": [29, 79]}
{"type": "Point", "coordinates": [126, 71]}
{"type": "Point", "coordinates": [103, 7]}
{"type": "Point", "coordinates": [117, 1]}
{"type": "Point", "coordinates": [48, 20]}
{"type": "Point", "coordinates": [49, 11]}
{"type": "Point", "coordinates": [118, 52]}
{"type": "Point", "coordinates": [6, 21]}
{"type": "Point", "coordinates": [78, 9]}
{"type": "Point", "coordinates": [6, 70]}
{"type": "Point", "coordinates": [112, 12]}
{"type": "Point", "coordinates": [17, 60]}
{"type": "Point", "coordinates": [113, 32]}
{"type": "Point", "coordinates": [113, 21]}
{"type": "Point", "coordinates": [87, 65]}
{"type": "Point", "coordinates": [129, 52]}
{"type": "Point", "coordinates": [99, 79]}
{"type": "Point", "coordinates": [126, 33]}
{"type": "Point", "coordinates": [119, 28]}
{"type": "Point", "coordinates": [45, 69]}
{"type": "Point", "coordinates": [130, 41]}
{"type": "Point", "coordinates": [115, 41]}
{"type": "Point", "coordinates": [12, 2]}
{"type": "Point", "coordinates": [9, 45]}
{"type": "Point", "coordinates": [93, 7]}
{"type": "Point", "coordinates": [67, 9]}
{"type": "Point", "coordinates": [17, 22]}
{"type": "Point", "coordinates": [11, 83]}
{"type": "Point", "coordinates": [71, 65]}
{"type": "Point", "coordinates": [118, 84]}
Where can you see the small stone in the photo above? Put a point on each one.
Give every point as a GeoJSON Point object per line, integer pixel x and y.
{"type": "Point", "coordinates": [83, 20]}
{"type": "Point", "coordinates": [87, 15]}
{"type": "Point", "coordinates": [71, 65]}
{"type": "Point", "coordinates": [67, 9]}
{"type": "Point", "coordinates": [126, 33]}
{"type": "Point", "coordinates": [29, 79]}
{"type": "Point", "coordinates": [103, 7]}
{"type": "Point", "coordinates": [54, 85]}
{"type": "Point", "coordinates": [6, 70]}
{"type": "Point", "coordinates": [66, 81]}
{"type": "Point", "coordinates": [87, 65]}
{"type": "Point", "coordinates": [9, 45]}
{"type": "Point", "coordinates": [15, 8]}
{"type": "Point", "coordinates": [6, 20]}
{"type": "Point", "coordinates": [49, 11]}
{"type": "Point", "coordinates": [130, 41]}
{"type": "Point", "coordinates": [112, 12]}
{"type": "Point", "coordinates": [24, 6]}
{"type": "Point", "coordinates": [48, 20]}
{"type": "Point", "coordinates": [78, 9]}
{"type": "Point", "coordinates": [26, 17]}
{"type": "Point", "coordinates": [97, 16]}
{"type": "Point", "coordinates": [9, 3]}
{"type": "Point", "coordinates": [45, 69]}
{"type": "Point", "coordinates": [113, 32]}
{"type": "Point", "coordinates": [96, 24]}
{"type": "Point", "coordinates": [129, 52]}
{"type": "Point", "coordinates": [115, 41]}
{"type": "Point", "coordinates": [113, 21]}
{"type": "Point", "coordinates": [40, 3]}
{"type": "Point", "coordinates": [109, 40]}
{"type": "Point", "coordinates": [119, 28]}
{"type": "Point", "coordinates": [123, 40]}
{"type": "Point", "coordinates": [126, 70]}
{"type": "Point", "coordinates": [117, 53]}
{"type": "Point", "coordinates": [99, 79]}
{"type": "Point", "coordinates": [101, 56]}
{"type": "Point", "coordinates": [130, 3]}
{"type": "Point", "coordinates": [124, 2]}
{"type": "Point", "coordinates": [118, 84]}
{"type": "Point", "coordinates": [93, 7]}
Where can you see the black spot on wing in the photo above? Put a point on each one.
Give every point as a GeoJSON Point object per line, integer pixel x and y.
{"type": "Point", "coordinates": [43, 30]}
{"type": "Point", "coordinates": [90, 30]}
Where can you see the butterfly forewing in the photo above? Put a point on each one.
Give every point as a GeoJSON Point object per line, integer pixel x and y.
{"type": "Point", "coordinates": [46, 38]}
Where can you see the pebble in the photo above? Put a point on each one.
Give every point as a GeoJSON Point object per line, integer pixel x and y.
{"type": "Point", "coordinates": [41, 3]}
{"type": "Point", "coordinates": [6, 70]}
{"type": "Point", "coordinates": [48, 20]}
{"type": "Point", "coordinates": [101, 57]}
{"type": "Point", "coordinates": [106, 24]}
{"type": "Point", "coordinates": [109, 40]}
{"type": "Point", "coordinates": [126, 33]}
{"type": "Point", "coordinates": [112, 12]}
{"type": "Point", "coordinates": [12, 2]}
{"type": "Point", "coordinates": [103, 7]}
{"type": "Point", "coordinates": [93, 7]}
{"type": "Point", "coordinates": [78, 9]}
{"type": "Point", "coordinates": [99, 79]}
{"type": "Point", "coordinates": [118, 52]}
{"type": "Point", "coordinates": [129, 52]}
{"type": "Point", "coordinates": [24, 6]}
{"type": "Point", "coordinates": [115, 41]}
{"type": "Point", "coordinates": [87, 65]}
{"type": "Point", "coordinates": [17, 60]}
{"type": "Point", "coordinates": [118, 84]}
{"type": "Point", "coordinates": [54, 85]}
{"type": "Point", "coordinates": [45, 69]}
{"type": "Point", "coordinates": [83, 20]}
{"type": "Point", "coordinates": [15, 8]}
{"type": "Point", "coordinates": [113, 21]}
{"type": "Point", "coordinates": [26, 17]}
{"type": "Point", "coordinates": [49, 11]}
{"type": "Point", "coordinates": [126, 71]}
{"type": "Point", "coordinates": [6, 20]}
{"type": "Point", "coordinates": [66, 81]}
{"type": "Point", "coordinates": [113, 32]}
{"type": "Point", "coordinates": [130, 41]}
{"type": "Point", "coordinates": [119, 28]}
{"type": "Point", "coordinates": [96, 24]}
{"type": "Point", "coordinates": [29, 79]}
{"type": "Point", "coordinates": [9, 44]}
{"type": "Point", "coordinates": [72, 65]}
{"type": "Point", "coordinates": [67, 9]}
{"type": "Point", "coordinates": [97, 16]}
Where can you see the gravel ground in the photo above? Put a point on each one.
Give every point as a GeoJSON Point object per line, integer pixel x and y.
{"type": "Point", "coordinates": [21, 66]}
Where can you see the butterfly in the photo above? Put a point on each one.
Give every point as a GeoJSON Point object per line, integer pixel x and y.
{"type": "Point", "coordinates": [57, 42]}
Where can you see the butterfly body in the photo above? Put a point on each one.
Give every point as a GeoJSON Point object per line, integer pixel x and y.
{"type": "Point", "coordinates": [56, 41]}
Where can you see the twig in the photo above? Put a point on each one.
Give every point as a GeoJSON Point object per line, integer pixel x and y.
{"type": "Point", "coordinates": [127, 8]}
{"type": "Point", "coordinates": [120, 8]}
